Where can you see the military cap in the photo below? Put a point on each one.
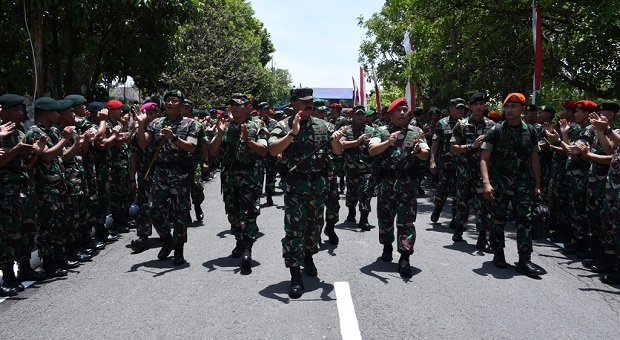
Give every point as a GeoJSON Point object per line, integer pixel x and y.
{"type": "Point", "coordinates": [336, 106]}
{"type": "Point", "coordinates": [457, 102]}
{"type": "Point", "coordinates": [370, 113]}
{"type": "Point", "coordinates": [278, 113]}
{"type": "Point", "coordinates": [10, 100]}
{"type": "Point", "coordinates": [495, 114]}
{"type": "Point", "coordinates": [203, 113]}
{"type": "Point", "coordinates": [530, 107]}
{"type": "Point", "coordinates": [302, 93]}
{"type": "Point", "coordinates": [154, 99]}
{"type": "Point", "coordinates": [288, 108]}
{"type": "Point", "coordinates": [586, 105]}
{"type": "Point", "coordinates": [212, 111]}
{"type": "Point", "coordinates": [514, 98]}
{"type": "Point", "coordinates": [95, 106]}
{"type": "Point", "coordinates": [569, 104]}
{"type": "Point", "coordinates": [359, 109]}
{"type": "Point", "coordinates": [477, 97]}
{"type": "Point", "coordinates": [418, 111]}
{"type": "Point", "coordinates": [76, 98]}
{"type": "Point", "coordinates": [175, 93]}
{"type": "Point", "coordinates": [397, 102]}
{"type": "Point", "coordinates": [239, 98]}
{"type": "Point", "coordinates": [547, 108]}
{"type": "Point", "coordinates": [64, 104]}
{"type": "Point", "coordinates": [188, 103]}
{"type": "Point", "coordinates": [125, 107]}
{"type": "Point", "coordinates": [113, 104]}
{"type": "Point", "coordinates": [46, 104]}
{"type": "Point", "coordinates": [195, 112]}
{"type": "Point", "coordinates": [613, 107]}
{"type": "Point", "coordinates": [434, 110]}
{"type": "Point", "coordinates": [149, 106]}
{"type": "Point", "coordinates": [263, 105]}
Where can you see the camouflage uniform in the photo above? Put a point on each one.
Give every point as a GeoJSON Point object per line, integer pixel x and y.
{"type": "Point", "coordinates": [102, 159]}
{"type": "Point", "coordinates": [559, 188]}
{"type": "Point", "coordinates": [597, 181]}
{"type": "Point", "coordinates": [446, 168]}
{"type": "Point", "coordinates": [74, 180]}
{"type": "Point", "coordinates": [358, 167]}
{"type": "Point", "coordinates": [305, 188]}
{"type": "Point", "coordinates": [197, 192]}
{"type": "Point", "coordinates": [171, 178]}
{"type": "Point", "coordinates": [511, 177]}
{"type": "Point", "coordinates": [577, 178]}
{"type": "Point", "coordinates": [270, 164]}
{"type": "Point", "coordinates": [611, 207]}
{"type": "Point", "coordinates": [119, 184]}
{"type": "Point", "coordinates": [398, 186]}
{"type": "Point", "coordinates": [144, 157]}
{"type": "Point", "coordinates": [468, 181]}
{"type": "Point", "coordinates": [241, 180]}
{"type": "Point", "coordinates": [89, 199]}
{"type": "Point", "coordinates": [337, 166]}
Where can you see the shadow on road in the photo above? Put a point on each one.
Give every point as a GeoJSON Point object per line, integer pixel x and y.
{"type": "Point", "coordinates": [229, 263]}
{"type": "Point", "coordinates": [599, 290]}
{"type": "Point", "coordinates": [466, 248]}
{"type": "Point", "coordinates": [488, 269]}
{"type": "Point", "coordinates": [279, 291]}
{"type": "Point", "coordinates": [390, 268]}
{"type": "Point", "coordinates": [157, 264]}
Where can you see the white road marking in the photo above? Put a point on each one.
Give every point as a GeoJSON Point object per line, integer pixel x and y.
{"type": "Point", "coordinates": [349, 327]}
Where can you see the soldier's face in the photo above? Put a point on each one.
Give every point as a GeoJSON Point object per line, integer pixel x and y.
{"type": "Point", "coordinates": [529, 116]}
{"type": "Point", "coordinates": [477, 108]}
{"type": "Point", "coordinates": [359, 118]}
{"type": "Point", "coordinates": [239, 111]}
{"type": "Point", "coordinates": [115, 113]}
{"type": "Point", "coordinates": [513, 111]}
{"type": "Point", "coordinates": [457, 112]}
{"type": "Point", "coordinates": [173, 105]}
{"type": "Point", "coordinates": [80, 110]}
{"type": "Point", "coordinates": [581, 116]}
{"type": "Point", "coordinates": [305, 106]}
{"type": "Point", "coordinates": [66, 117]}
{"type": "Point", "coordinates": [12, 114]}
{"type": "Point", "coordinates": [369, 120]}
{"type": "Point", "coordinates": [610, 115]}
{"type": "Point", "coordinates": [263, 113]}
{"type": "Point", "coordinates": [400, 116]}
{"type": "Point", "coordinates": [566, 114]}
{"type": "Point", "coordinates": [543, 116]}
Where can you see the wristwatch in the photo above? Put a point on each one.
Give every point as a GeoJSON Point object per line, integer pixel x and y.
{"type": "Point", "coordinates": [290, 133]}
{"type": "Point", "coordinates": [607, 131]}
{"type": "Point", "coordinates": [469, 147]}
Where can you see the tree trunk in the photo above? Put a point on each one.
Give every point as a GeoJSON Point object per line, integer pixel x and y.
{"type": "Point", "coordinates": [36, 21]}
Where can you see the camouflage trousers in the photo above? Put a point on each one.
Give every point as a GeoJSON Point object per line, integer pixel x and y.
{"type": "Point", "coordinates": [52, 223]}
{"type": "Point", "coordinates": [103, 197]}
{"type": "Point", "coordinates": [578, 184]}
{"type": "Point", "coordinates": [469, 193]}
{"type": "Point", "coordinates": [445, 186]}
{"type": "Point", "coordinates": [397, 199]}
{"type": "Point", "coordinates": [30, 223]}
{"type": "Point", "coordinates": [303, 218]}
{"type": "Point", "coordinates": [559, 200]}
{"type": "Point", "coordinates": [72, 218]}
{"type": "Point", "coordinates": [91, 209]}
{"type": "Point", "coordinates": [240, 190]}
{"type": "Point", "coordinates": [13, 244]}
{"type": "Point", "coordinates": [143, 222]}
{"type": "Point", "coordinates": [198, 190]}
{"type": "Point", "coordinates": [120, 196]}
{"type": "Point", "coordinates": [594, 201]}
{"type": "Point", "coordinates": [332, 208]}
{"type": "Point", "coordinates": [521, 204]}
{"type": "Point", "coordinates": [270, 175]}
{"type": "Point", "coordinates": [358, 190]}
{"type": "Point", "coordinates": [169, 202]}
{"type": "Point", "coordinates": [611, 220]}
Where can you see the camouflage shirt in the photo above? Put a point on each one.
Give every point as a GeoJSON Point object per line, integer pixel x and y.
{"type": "Point", "coordinates": [48, 176]}
{"type": "Point", "coordinates": [398, 156]}
{"type": "Point", "coordinates": [558, 166]}
{"type": "Point", "coordinates": [73, 168]}
{"type": "Point", "coordinates": [170, 154]}
{"type": "Point", "coordinates": [236, 154]}
{"type": "Point", "coordinates": [357, 158]}
{"type": "Point", "coordinates": [443, 134]}
{"type": "Point", "coordinates": [14, 175]}
{"type": "Point", "coordinates": [613, 176]}
{"type": "Point", "coordinates": [465, 132]}
{"type": "Point", "coordinates": [586, 135]}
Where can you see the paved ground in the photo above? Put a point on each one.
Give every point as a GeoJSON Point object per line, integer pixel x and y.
{"type": "Point", "coordinates": [456, 292]}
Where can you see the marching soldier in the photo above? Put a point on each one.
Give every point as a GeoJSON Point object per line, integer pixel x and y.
{"type": "Point", "coordinates": [265, 114]}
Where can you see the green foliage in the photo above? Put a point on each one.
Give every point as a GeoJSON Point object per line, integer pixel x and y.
{"type": "Point", "coordinates": [461, 47]}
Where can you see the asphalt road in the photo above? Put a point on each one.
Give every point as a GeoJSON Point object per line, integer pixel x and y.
{"type": "Point", "coordinates": [455, 293]}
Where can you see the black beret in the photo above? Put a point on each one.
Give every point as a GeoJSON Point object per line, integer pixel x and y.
{"type": "Point", "coordinates": [10, 100]}
{"type": "Point", "coordinates": [477, 97]}
{"type": "Point", "coordinates": [95, 106]}
{"type": "Point", "coordinates": [175, 93]}
{"type": "Point", "coordinates": [530, 107]}
{"type": "Point", "coordinates": [418, 111]}
{"type": "Point", "coordinates": [302, 93]}
{"type": "Point", "coordinates": [76, 98]}
{"type": "Point", "coordinates": [64, 104]}
{"type": "Point", "coordinates": [46, 104]}
{"type": "Point", "coordinates": [262, 105]}
{"type": "Point", "coordinates": [613, 107]}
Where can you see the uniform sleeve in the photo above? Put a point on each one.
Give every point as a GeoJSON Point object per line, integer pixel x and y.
{"type": "Point", "coordinates": [192, 133]}
{"type": "Point", "coordinates": [261, 136]}
{"type": "Point", "coordinates": [438, 131]}
{"type": "Point", "coordinates": [423, 145]}
{"type": "Point", "coordinates": [278, 132]}
{"type": "Point", "coordinates": [457, 138]}
{"type": "Point", "coordinates": [377, 136]}
{"type": "Point", "coordinates": [490, 140]}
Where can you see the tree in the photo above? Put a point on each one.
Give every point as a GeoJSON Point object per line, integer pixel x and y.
{"type": "Point", "coordinates": [461, 47]}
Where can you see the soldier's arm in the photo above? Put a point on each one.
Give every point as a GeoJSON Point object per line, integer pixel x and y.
{"type": "Point", "coordinates": [49, 154]}
{"type": "Point", "coordinates": [535, 164]}
{"type": "Point", "coordinates": [600, 159]}
{"type": "Point", "coordinates": [377, 146]}
{"type": "Point", "coordinates": [258, 147]}
{"type": "Point", "coordinates": [487, 189]}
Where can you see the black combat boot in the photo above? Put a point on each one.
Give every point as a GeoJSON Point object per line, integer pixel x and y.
{"type": "Point", "coordinates": [297, 283]}
{"type": "Point", "coordinates": [9, 279]}
{"type": "Point", "coordinates": [246, 257]}
{"type": "Point", "coordinates": [238, 249]}
{"type": "Point", "coordinates": [309, 266]}
{"type": "Point", "coordinates": [611, 278]}
{"type": "Point", "coordinates": [581, 246]}
{"type": "Point", "coordinates": [198, 211]}
{"type": "Point", "coordinates": [331, 233]}
{"type": "Point", "coordinates": [351, 215]}
{"type": "Point", "coordinates": [526, 267]}
{"type": "Point", "coordinates": [499, 260]}
{"type": "Point", "coordinates": [607, 265]}
{"type": "Point", "coordinates": [404, 269]}
{"type": "Point", "coordinates": [483, 244]}
{"type": "Point", "coordinates": [363, 224]}
{"type": "Point", "coordinates": [458, 234]}
{"type": "Point", "coordinates": [73, 254]}
{"type": "Point", "coordinates": [386, 255]}
{"type": "Point", "coordinates": [141, 243]}
{"type": "Point", "coordinates": [61, 258]}
{"type": "Point", "coordinates": [178, 254]}
{"type": "Point", "coordinates": [436, 213]}
{"type": "Point", "coordinates": [166, 248]}
{"type": "Point", "coordinates": [50, 268]}
{"type": "Point", "coordinates": [6, 291]}
{"type": "Point", "coordinates": [26, 273]}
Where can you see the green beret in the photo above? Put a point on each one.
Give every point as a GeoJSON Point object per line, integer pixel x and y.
{"type": "Point", "coordinates": [125, 107]}
{"type": "Point", "coordinates": [370, 113]}
{"type": "Point", "coordinates": [46, 104]}
{"type": "Point", "coordinates": [203, 113]}
{"type": "Point", "coordinates": [175, 93]}
{"type": "Point", "coordinates": [10, 100]}
{"type": "Point", "coordinates": [64, 104]}
{"type": "Point", "coordinates": [76, 98]}
{"type": "Point", "coordinates": [95, 107]}
{"type": "Point", "coordinates": [547, 108]}
{"type": "Point", "coordinates": [613, 107]}
{"type": "Point", "coordinates": [263, 105]}
{"type": "Point", "coordinates": [195, 112]}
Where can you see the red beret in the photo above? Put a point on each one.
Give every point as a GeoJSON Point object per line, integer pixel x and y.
{"type": "Point", "coordinates": [219, 112]}
{"type": "Point", "coordinates": [569, 104]}
{"type": "Point", "coordinates": [587, 105]}
{"type": "Point", "coordinates": [397, 102]}
{"type": "Point", "coordinates": [270, 112]}
{"type": "Point", "coordinates": [113, 104]}
{"type": "Point", "coordinates": [514, 98]}
{"type": "Point", "coordinates": [336, 106]}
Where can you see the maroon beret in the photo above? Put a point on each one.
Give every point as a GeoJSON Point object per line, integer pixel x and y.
{"type": "Point", "coordinates": [397, 102]}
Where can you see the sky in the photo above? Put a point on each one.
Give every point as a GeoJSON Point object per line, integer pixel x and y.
{"type": "Point", "coordinates": [316, 41]}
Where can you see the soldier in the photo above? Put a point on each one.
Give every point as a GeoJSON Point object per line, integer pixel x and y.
{"type": "Point", "coordinates": [176, 138]}
{"type": "Point", "coordinates": [201, 159]}
{"type": "Point", "coordinates": [609, 139]}
{"type": "Point", "coordinates": [270, 162]}
{"type": "Point", "coordinates": [545, 115]}
{"type": "Point", "coordinates": [508, 163]}
{"type": "Point", "coordinates": [50, 187]}
{"type": "Point", "coordinates": [398, 146]}
{"type": "Point", "coordinates": [140, 183]}
{"type": "Point", "coordinates": [242, 145]}
{"type": "Point", "coordinates": [358, 166]}
{"type": "Point", "coordinates": [16, 156]}
{"type": "Point", "coordinates": [303, 141]}
{"type": "Point", "coordinates": [442, 161]}
{"type": "Point", "coordinates": [119, 170]}
{"type": "Point", "coordinates": [467, 137]}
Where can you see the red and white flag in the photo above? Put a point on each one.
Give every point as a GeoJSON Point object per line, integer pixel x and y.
{"type": "Point", "coordinates": [355, 93]}
{"type": "Point", "coordinates": [377, 96]}
{"type": "Point", "coordinates": [410, 89]}
{"type": "Point", "coordinates": [362, 89]}
{"type": "Point", "coordinates": [538, 57]}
